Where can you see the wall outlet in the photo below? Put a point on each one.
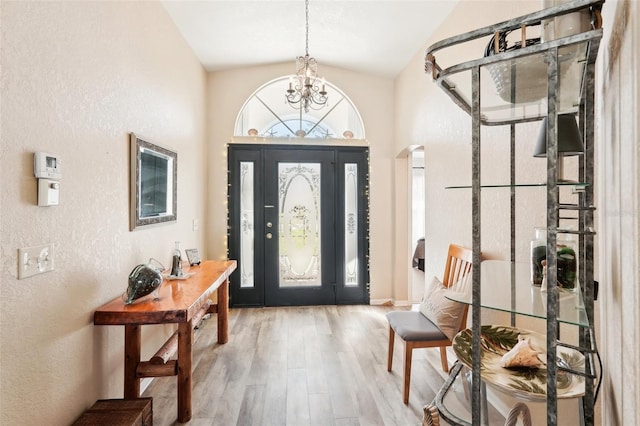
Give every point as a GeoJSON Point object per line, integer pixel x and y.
{"type": "Point", "coordinates": [35, 260]}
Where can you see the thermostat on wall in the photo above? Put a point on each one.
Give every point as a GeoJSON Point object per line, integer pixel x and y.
{"type": "Point", "coordinates": [46, 166]}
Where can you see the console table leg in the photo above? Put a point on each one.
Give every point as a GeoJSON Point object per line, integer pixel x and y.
{"type": "Point", "coordinates": [132, 343]}
{"type": "Point", "coordinates": [223, 312]}
{"type": "Point", "coordinates": [185, 359]}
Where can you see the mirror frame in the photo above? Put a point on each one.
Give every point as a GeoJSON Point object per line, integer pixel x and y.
{"type": "Point", "coordinates": [140, 145]}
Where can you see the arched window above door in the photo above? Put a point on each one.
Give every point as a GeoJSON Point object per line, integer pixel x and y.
{"type": "Point", "coordinates": [267, 114]}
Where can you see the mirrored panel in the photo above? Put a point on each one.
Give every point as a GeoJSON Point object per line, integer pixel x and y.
{"type": "Point", "coordinates": [154, 173]}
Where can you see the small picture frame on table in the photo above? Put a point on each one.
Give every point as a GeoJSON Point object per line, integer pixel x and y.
{"type": "Point", "coordinates": [194, 256]}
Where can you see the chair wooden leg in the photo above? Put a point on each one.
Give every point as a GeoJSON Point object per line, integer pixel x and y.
{"type": "Point", "coordinates": [408, 351]}
{"type": "Point", "coordinates": [392, 334]}
{"type": "Point", "coordinates": [443, 359]}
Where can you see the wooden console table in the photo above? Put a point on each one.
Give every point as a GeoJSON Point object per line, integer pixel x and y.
{"type": "Point", "coordinates": [184, 302]}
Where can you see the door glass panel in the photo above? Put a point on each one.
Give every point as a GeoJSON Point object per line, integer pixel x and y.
{"type": "Point", "coordinates": [299, 224]}
{"type": "Point", "coordinates": [351, 224]}
{"type": "Point", "coordinates": [246, 224]}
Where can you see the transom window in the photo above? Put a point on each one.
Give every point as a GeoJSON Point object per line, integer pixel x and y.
{"type": "Point", "coordinates": [267, 114]}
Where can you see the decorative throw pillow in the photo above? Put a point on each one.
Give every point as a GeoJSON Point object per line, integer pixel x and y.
{"type": "Point", "coordinates": [446, 314]}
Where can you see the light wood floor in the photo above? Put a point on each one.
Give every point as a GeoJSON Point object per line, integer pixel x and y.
{"type": "Point", "coordinates": [321, 365]}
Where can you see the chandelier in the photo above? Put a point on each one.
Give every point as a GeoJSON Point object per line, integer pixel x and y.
{"type": "Point", "coordinates": [304, 90]}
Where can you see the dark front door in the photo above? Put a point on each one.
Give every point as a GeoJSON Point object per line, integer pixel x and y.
{"type": "Point", "coordinates": [298, 225]}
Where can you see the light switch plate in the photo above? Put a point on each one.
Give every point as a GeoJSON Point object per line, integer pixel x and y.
{"type": "Point", "coordinates": [35, 260]}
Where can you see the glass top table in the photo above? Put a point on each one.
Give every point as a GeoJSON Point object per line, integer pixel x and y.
{"type": "Point", "coordinates": [506, 286]}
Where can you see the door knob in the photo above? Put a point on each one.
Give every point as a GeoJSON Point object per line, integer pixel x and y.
{"type": "Point", "coordinates": [269, 225]}
{"type": "Point", "coordinates": [269, 235]}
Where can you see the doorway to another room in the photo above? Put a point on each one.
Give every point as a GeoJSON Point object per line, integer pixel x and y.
{"type": "Point", "coordinates": [417, 231]}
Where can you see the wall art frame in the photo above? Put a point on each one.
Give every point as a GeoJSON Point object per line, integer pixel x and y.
{"type": "Point", "coordinates": [154, 184]}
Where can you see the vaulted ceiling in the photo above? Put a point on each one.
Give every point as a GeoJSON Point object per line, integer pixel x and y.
{"type": "Point", "coordinates": [378, 37]}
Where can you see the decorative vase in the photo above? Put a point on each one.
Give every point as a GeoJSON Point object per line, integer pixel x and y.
{"type": "Point", "coordinates": [538, 254]}
{"type": "Point", "coordinates": [564, 25]}
{"type": "Point", "coordinates": [144, 279]}
{"type": "Point", "coordinates": [176, 261]}
{"type": "Point", "coordinates": [566, 259]}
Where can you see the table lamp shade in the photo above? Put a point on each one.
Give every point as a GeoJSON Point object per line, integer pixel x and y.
{"type": "Point", "coordinates": [569, 138]}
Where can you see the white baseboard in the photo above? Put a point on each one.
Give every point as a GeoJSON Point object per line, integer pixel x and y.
{"type": "Point", "coordinates": [389, 302]}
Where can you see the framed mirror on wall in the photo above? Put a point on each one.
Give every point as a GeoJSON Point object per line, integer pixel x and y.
{"type": "Point", "coordinates": [154, 177]}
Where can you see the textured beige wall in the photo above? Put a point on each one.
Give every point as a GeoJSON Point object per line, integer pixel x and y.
{"type": "Point", "coordinates": [618, 95]}
{"type": "Point", "coordinates": [77, 77]}
{"type": "Point", "coordinates": [426, 116]}
{"type": "Point", "coordinates": [372, 96]}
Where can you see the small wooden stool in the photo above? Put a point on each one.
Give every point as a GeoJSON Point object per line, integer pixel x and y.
{"type": "Point", "coordinates": [118, 412]}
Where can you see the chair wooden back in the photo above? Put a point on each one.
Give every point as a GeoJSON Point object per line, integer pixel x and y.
{"type": "Point", "coordinates": [457, 273]}
{"type": "Point", "coordinates": [459, 263]}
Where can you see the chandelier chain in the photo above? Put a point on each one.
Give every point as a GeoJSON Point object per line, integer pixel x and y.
{"type": "Point", "coordinates": [306, 49]}
{"type": "Point", "coordinates": [305, 92]}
